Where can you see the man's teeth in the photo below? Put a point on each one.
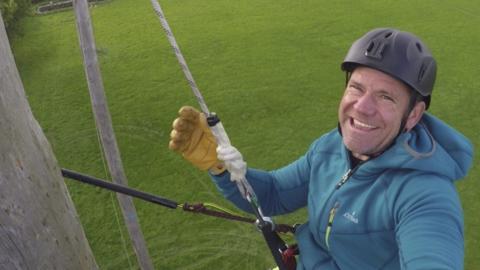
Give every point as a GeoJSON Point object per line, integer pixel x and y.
{"type": "Point", "coordinates": [360, 124]}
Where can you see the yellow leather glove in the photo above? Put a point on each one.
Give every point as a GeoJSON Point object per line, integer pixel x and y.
{"type": "Point", "coordinates": [192, 137]}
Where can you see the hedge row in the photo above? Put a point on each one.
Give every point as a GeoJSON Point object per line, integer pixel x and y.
{"type": "Point", "coordinates": [13, 11]}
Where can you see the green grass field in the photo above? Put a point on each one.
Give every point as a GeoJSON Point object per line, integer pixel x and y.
{"type": "Point", "coordinates": [271, 71]}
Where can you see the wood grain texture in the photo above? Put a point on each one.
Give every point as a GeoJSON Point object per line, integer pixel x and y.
{"type": "Point", "coordinates": [39, 226]}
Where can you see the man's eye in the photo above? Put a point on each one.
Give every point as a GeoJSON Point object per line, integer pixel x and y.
{"type": "Point", "coordinates": [355, 87]}
{"type": "Point", "coordinates": [388, 98]}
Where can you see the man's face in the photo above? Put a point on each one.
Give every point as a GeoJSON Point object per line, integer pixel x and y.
{"type": "Point", "coordinates": [371, 111]}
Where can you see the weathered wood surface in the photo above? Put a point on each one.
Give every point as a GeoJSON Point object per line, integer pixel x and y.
{"type": "Point", "coordinates": [39, 226]}
{"type": "Point", "coordinates": [105, 128]}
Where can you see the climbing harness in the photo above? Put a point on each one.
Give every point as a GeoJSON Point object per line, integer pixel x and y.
{"type": "Point", "coordinates": [265, 224]}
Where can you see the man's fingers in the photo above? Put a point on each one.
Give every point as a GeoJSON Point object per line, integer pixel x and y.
{"type": "Point", "coordinates": [176, 146]}
{"type": "Point", "coordinates": [173, 146]}
{"type": "Point", "coordinates": [178, 140]}
{"type": "Point", "coordinates": [188, 113]}
{"type": "Point", "coordinates": [182, 128]}
{"type": "Point", "coordinates": [183, 125]}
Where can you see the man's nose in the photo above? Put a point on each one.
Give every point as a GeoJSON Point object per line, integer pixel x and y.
{"type": "Point", "coordinates": [366, 104]}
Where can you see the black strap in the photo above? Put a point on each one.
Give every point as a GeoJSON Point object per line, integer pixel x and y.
{"type": "Point", "coordinates": [118, 188]}
{"type": "Point", "coordinates": [276, 245]}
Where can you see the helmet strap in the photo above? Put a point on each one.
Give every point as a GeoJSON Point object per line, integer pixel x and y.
{"type": "Point", "coordinates": [348, 74]}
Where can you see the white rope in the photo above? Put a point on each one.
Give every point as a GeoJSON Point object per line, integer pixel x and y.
{"type": "Point", "coordinates": [218, 130]}
{"type": "Point", "coordinates": [180, 58]}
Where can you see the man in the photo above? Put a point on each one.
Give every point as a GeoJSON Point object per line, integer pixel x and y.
{"type": "Point", "coordinates": [379, 188]}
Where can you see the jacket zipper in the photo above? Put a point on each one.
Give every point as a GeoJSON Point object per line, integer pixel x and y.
{"type": "Point", "coordinates": [345, 178]}
{"type": "Point", "coordinates": [347, 175]}
{"type": "Point", "coordinates": [333, 211]}
{"type": "Point", "coordinates": [331, 216]}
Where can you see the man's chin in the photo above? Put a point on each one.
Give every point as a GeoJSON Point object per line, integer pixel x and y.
{"type": "Point", "coordinates": [357, 152]}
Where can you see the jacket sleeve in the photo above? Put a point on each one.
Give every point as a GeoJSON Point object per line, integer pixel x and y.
{"type": "Point", "coordinates": [279, 192]}
{"type": "Point", "coordinates": [429, 224]}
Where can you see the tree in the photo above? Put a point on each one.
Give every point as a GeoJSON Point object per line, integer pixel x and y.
{"type": "Point", "coordinates": [12, 11]}
{"type": "Point", "coordinates": [39, 226]}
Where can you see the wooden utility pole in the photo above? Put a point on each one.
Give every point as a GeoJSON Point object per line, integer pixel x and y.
{"type": "Point", "coordinates": [39, 226]}
{"type": "Point", "coordinates": [105, 128]}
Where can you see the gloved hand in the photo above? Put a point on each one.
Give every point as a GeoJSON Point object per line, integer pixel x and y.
{"type": "Point", "coordinates": [233, 161]}
{"type": "Point", "coordinates": [192, 138]}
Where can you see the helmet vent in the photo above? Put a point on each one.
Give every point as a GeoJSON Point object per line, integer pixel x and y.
{"type": "Point", "coordinates": [419, 46]}
{"type": "Point", "coordinates": [388, 34]}
{"type": "Point", "coordinates": [421, 72]}
{"type": "Point", "coordinates": [370, 46]}
{"type": "Point", "coordinates": [375, 49]}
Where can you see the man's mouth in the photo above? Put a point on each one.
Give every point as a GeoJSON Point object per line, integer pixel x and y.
{"type": "Point", "coordinates": [357, 124]}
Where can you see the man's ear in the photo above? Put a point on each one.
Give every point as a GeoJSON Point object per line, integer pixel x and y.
{"type": "Point", "coordinates": [415, 115]}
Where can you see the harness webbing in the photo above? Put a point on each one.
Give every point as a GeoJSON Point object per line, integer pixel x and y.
{"type": "Point", "coordinates": [201, 208]}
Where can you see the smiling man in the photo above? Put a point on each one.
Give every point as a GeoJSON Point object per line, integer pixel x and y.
{"type": "Point", "coordinates": [379, 188]}
{"type": "Point", "coordinates": [373, 111]}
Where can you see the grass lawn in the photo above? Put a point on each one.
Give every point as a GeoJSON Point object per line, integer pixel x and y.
{"type": "Point", "coordinates": [271, 71]}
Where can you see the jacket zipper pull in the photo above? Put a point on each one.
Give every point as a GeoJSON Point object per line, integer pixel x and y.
{"type": "Point", "coordinates": [344, 179]}
{"type": "Point", "coordinates": [331, 216]}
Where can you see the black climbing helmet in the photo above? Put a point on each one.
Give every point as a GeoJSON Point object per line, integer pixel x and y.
{"type": "Point", "coordinates": [397, 53]}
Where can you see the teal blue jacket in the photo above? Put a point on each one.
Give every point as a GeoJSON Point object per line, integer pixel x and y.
{"type": "Point", "coordinates": [399, 210]}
